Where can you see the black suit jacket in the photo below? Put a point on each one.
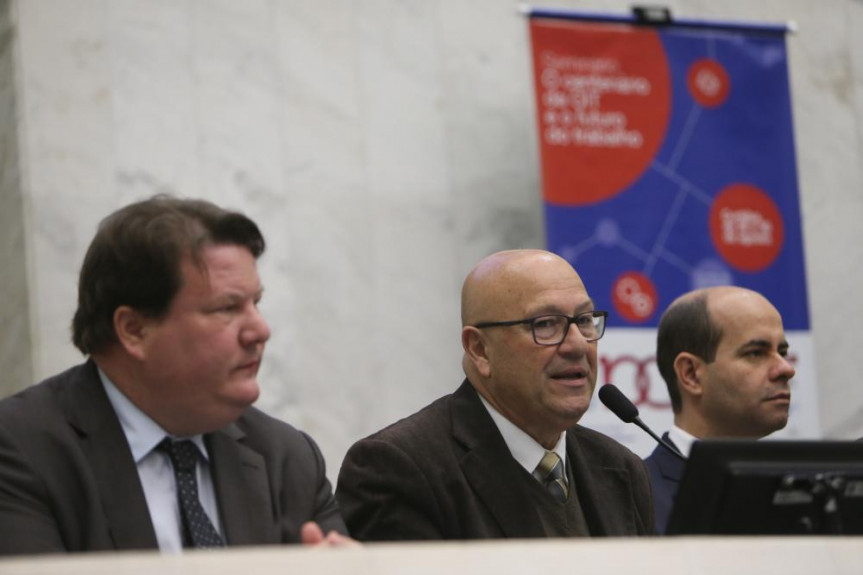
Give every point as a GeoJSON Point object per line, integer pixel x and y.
{"type": "Point", "coordinates": [446, 473]}
{"type": "Point", "coordinates": [68, 481]}
{"type": "Point", "coordinates": [666, 471]}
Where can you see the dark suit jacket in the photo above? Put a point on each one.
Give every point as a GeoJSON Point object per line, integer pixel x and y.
{"type": "Point", "coordinates": [446, 473]}
{"type": "Point", "coordinates": [666, 471]}
{"type": "Point", "coordinates": [68, 481]}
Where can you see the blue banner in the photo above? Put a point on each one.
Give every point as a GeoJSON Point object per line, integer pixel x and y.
{"type": "Point", "coordinates": [668, 163]}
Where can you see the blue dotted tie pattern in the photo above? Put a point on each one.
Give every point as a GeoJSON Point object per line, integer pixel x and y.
{"type": "Point", "coordinates": [550, 473]}
{"type": "Point", "coordinates": [199, 529]}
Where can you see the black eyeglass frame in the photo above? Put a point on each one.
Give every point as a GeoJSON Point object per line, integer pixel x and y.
{"type": "Point", "coordinates": [569, 321]}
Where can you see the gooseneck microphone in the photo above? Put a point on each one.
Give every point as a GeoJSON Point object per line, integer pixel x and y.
{"type": "Point", "coordinates": [620, 406]}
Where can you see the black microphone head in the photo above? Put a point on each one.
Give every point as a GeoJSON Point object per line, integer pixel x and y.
{"type": "Point", "coordinates": [618, 403]}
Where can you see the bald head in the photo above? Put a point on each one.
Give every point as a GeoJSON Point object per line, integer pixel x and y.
{"type": "Point", "coordinates": [500, 283]}
{"type": "Point", "coordinates": [689, 325]}
{"type": "Point", "coordinates": [542, 388]}
{"type": "Point", "coordinates": [717, 295]}
{"type": "Point", "coordinates": [723, 354]}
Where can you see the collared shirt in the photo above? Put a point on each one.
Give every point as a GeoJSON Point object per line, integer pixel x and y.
{"type": "Point", "coordinates": [682, 440]}
{"type": "Point", "coordinates": [522, 446]}
{"type": "Point", "coordinates": [155, 471]}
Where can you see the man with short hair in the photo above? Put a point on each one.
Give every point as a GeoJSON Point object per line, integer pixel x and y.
{"type": "Point", "coordinates": [503, 456]}
{"type": "Point", "coordinates": [724, 357]}
{"type": "Point", "coordinates": [153, 443]}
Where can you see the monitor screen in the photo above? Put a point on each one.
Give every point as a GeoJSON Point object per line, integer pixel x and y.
{"type": "Point", "coordinates": [747, 487]}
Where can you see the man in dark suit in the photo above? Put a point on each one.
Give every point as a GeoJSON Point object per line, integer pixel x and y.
{"type": "Point", "coordinates": [503, 456]}
{"type": "Point", "coordinates": [723, 355]}
{"type": "Point", "coordinates": [153, 443]}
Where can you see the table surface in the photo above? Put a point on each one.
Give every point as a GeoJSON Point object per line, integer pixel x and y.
{"type": "Point", "coordinates": [700, 555]}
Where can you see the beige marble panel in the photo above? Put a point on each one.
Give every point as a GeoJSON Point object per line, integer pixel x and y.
{"type": "Point", "coordinates": [412, 240]}
{"type": "Point", "coordinates": [155, 104]}
{"type": "Point", "coordinates": [15, 340]}
{"type": "Point", "coordinates": [67, 157]}
{"type": "Point", "coordinates": [491, 134]}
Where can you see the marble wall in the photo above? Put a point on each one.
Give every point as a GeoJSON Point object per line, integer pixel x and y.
{"type": "Point", "coordinates": [15, 340]}
{"type": "Point", "coordinates": [383, 146]}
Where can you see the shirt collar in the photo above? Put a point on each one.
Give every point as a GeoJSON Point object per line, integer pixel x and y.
{"type": "Point", "coordinates": [681, 439]}
{"type": "Point", "coordinates": [522, 446]}
{"type": "Point", "coordinates": [142, 433]}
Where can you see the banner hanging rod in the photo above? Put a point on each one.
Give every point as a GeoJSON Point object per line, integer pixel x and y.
{"type": "Point", "coordinates": [657, 16]}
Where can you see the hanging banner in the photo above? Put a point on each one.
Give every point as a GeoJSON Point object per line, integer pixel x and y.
{"type": "Point", "coordinates": [668, 164]}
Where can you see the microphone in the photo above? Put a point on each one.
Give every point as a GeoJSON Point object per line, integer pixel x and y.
{"type": "Point", "coordinates": [620, 406]}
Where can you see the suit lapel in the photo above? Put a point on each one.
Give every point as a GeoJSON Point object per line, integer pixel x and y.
{"type": "Point", "coordinates": [242, 489]}
{"type": "Point", "coordinates": [490, 468]}
{"type": "Point", "coordinates": [116, 476]}
{"type": "Point", "coordinates": [597, 486]}
{"type": "Point", "coordinates": [671, 467]}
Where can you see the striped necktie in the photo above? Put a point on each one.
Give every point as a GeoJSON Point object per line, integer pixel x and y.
{"type": "Point", "coordinates": [550, 473]}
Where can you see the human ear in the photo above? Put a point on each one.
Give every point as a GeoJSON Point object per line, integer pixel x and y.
{"type": "Point", "coordinates": [687, 367]}
{"type": "Point", "coordinates": [131, 329]}
{"type": "Point", "coordinates": [476, 350]}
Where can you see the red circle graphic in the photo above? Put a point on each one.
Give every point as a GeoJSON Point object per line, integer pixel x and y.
{"type": "Point", "coordinates": [746, 227]}
{"type": "Point", "coordinates": [708, 82]}
{"type": "Point", "coordinates": [634, 297]}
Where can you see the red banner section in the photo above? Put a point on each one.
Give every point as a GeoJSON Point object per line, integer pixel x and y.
{"type": "Point", "coordinates": [607, 99]}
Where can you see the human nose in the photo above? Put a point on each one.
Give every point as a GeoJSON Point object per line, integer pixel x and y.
{"type": "Point", "coordinates": [574, 341]}
{"type": "Point", "coordinates": [256, 330]}
{"type": "Point", "coordinates": [784, 369]}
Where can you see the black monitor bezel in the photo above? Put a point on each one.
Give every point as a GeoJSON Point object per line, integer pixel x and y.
{"type": "Point", "coordinates": [727, 484]}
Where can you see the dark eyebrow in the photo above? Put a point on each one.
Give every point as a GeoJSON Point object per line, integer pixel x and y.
{"type": "Point", "coordinates": [235, 296]}
{"type": "Point", "coordinates": [759, 343]}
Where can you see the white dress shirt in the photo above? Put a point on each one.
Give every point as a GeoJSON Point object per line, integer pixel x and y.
{"type": "Point", "coordinates": [681, 439]}
{"type": "Point", "coordinates": [522, 446]}
{"type": "Point", "coordinates": [156, 472]}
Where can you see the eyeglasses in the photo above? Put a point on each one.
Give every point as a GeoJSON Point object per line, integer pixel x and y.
{"type": "Point", "coordinates": [552, 329]}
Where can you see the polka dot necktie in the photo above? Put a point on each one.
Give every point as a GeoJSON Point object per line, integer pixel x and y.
{"type": "Point", "coordinates": [184, 457]}
{"type": "Point", "coordinates": [550, 473]}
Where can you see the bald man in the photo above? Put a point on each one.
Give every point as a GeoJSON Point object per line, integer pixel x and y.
{"type": "Point", "coordinates": [724, 357]}
{"type": "Point", "coordinates": [503, 456]}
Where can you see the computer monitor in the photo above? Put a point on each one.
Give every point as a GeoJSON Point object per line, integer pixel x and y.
{"type": "Point", "coordinates": [769, 487]}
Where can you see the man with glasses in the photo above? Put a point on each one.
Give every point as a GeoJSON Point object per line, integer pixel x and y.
{"type": "Point", "coordinates": [503, 456]}
{"type": "Point", "coordinates": [723, 355]}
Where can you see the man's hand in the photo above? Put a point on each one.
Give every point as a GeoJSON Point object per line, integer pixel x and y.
{"type": "Point", "coordinates": [311, 534]}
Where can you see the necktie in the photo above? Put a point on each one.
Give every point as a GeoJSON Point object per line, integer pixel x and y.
{"type": "Point", "coordinates": [550, 473]}
{"type": "Point", "coordinates": [184, 457]}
